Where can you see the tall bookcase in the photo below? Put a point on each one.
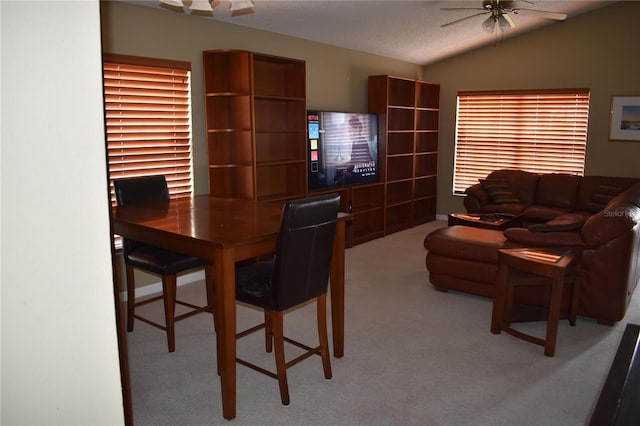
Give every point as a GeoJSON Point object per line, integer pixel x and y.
{"type": "Point", "coordinates": [255, 106]}
{"type": "Point", "coordinates": [408, 111]}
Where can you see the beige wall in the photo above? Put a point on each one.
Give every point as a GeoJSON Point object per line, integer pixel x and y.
{"type": "Point", "coordinates": [598, 50]}
{"type": "Point", "coordinates": [336, 77]}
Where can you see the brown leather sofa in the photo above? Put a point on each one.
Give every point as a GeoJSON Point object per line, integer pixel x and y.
{"type": "Point", "coordinates": [599, 215]}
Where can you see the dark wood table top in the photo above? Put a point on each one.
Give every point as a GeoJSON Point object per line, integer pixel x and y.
{"type": "Point", "coordinates": [495, 221]}
{"type": "Point", "coordinates": [217, 221]}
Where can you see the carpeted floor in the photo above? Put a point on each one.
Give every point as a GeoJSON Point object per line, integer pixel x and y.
{"type": "Point", "coordinates": [413, 356]}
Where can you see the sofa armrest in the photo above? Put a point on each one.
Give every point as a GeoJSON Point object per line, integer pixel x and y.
{"type": "Point", "coordinates": [621, 215]}
{"type": "Point", "coordinates": [522, 237]}
{"type": "Point", "coordinates": [476, 197]}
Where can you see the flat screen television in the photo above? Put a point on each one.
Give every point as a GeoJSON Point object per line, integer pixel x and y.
{"type": "Point", "coordinates": [342, 148]}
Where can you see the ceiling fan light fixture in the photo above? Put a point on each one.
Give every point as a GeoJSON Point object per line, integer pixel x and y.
{"type": "Point", "coordinates": [489, 24]}
{"type": "Point", "coordinates": [241, 7]}
{"type": "Point", "coordinates": [174, 5]}
{"type": "Point", "coordinates": [201, 6]}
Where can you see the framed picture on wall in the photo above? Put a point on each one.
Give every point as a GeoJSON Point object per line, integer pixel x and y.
{"type": "Point", "coordinates": [624, 121]}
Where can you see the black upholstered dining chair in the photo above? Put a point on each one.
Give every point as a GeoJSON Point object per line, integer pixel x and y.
{"type": "Point", "coordinates": [298, 272]}
{"type": "Point", "coordinates": [167, 264]}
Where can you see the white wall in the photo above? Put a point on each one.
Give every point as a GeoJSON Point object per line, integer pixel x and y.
{"type": "Point", "coordinates": [59, 344]}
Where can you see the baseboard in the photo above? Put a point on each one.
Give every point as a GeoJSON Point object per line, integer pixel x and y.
{"type": "Point", "coordinates": [149, 289]}
{"type": "Point", "coordinates": [442, 217]}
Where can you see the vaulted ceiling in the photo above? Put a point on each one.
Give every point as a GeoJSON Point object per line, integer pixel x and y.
{"type": "Point", "coordinates": [405, 30]}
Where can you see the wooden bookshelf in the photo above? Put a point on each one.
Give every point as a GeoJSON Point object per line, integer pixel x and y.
{"type": "Point", "coordinates": [408, 112]}
{"type": "Point", "coordinates": [255, 107]}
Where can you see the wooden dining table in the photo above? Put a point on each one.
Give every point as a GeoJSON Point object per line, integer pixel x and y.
{"type": "Point", "coordinates": [224, 232]}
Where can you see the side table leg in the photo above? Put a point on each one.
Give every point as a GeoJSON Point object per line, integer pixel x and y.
{"type": "Point", "coordinates": [554, 315]}
{"type": "Point", "coordinates": [573, 307]}
{"type": "Point", "coordinates": [499, 299]}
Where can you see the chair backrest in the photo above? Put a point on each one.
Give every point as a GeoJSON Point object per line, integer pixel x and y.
{"type": "Point", "coordinates": [303, 252]}
{"type": "Point", "coordinates": [140, 190]}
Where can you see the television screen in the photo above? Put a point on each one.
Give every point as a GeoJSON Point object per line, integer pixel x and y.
{"type": "Point", "coordinates": [342, 148]}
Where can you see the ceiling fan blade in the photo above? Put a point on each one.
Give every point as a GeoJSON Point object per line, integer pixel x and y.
{"type": "Point", "coordinates": [463, 19]}
{"type": "Point", "coordinates": [509, 21]}
{"type": "Point", "coordinates": [462, 8]}
{"type": "Point", "coordinates": [544, 14]}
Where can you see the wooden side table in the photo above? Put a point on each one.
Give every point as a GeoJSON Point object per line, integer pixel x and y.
{"type": "Point", "coordinates": [496, 221]}
{"type": "Point", "coordinates": [534, 266]}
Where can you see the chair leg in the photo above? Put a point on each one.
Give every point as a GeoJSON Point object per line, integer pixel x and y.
{"type": "Point", "coordinates": [268, 331]}
{"type": "Point", "coordinates": [281, 369]}
{"type": "Point", "coordinates": [131, 296]}
{"type": "Point", "coordinates": [169, 292]}
{"type": "Point", "coordinates": [322, 334]}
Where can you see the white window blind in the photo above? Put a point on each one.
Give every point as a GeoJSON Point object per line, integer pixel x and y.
{"type": "Point", "coordinates": [541, 131]}
{"type": "Point", "coordinates": [148, 120]}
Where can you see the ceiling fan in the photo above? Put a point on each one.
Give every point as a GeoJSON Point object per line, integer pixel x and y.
{"type": "Point", "coordinates": [205, 7]}
{"type": "Point", "coordinates": [499, 11]}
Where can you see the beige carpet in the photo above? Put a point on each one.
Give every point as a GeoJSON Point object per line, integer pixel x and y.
{"type": "Point", "coordinates": [413, 356]}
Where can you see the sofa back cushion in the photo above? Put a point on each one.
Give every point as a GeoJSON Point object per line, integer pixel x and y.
{"type": "Point", "coordinates": [499, 191]}
{"type": "Point", "coordinates": [522, 183]}
{"type": "Point", "coordinates": [597, 191]}
{"type": "Point", "coordinates": [558, 190]}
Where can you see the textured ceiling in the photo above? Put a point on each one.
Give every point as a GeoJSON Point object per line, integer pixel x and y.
{"type": "Point", "coordinates": [405, 30]}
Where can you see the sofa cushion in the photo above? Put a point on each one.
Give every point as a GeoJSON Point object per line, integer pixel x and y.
{"type": "Point", "coordinates": [478, 193]}
{"type": "Point", "coordinates": [558, 190]}
{"type": "Point", "coordinates": [555, 227]}
{"type": "Point", "coordinates": [522, 237]}
{"type": "Point", "coordinates": [603, 195]}
{"type": "Point", "coordinates": [523, 184]}
{"type": "Point", "coordinates": [499, 191]}
{"type": "Point", "coordinates": [594, 190]}
{"type": "Point", "coordinates": [540, 213]}
{"type": "Point", "coordinates": [564, 223]}
{"type": "Point", "coordinates": [511, 208]}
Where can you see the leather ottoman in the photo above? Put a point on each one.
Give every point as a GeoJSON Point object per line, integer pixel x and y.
{"type": "Point", "coordinates": [464, 258]}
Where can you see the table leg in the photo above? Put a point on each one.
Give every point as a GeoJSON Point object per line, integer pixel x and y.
{"type": "Point", "coordinates": [337, 290]}
{"type": "Point", "coordinates": [554, 314]}
{"type": "Point", "coordinates": [213, 302]}
{"type": "Point", "coordinates": [575, 294]}
{"type": "Point", "coordinates": [225, 294]}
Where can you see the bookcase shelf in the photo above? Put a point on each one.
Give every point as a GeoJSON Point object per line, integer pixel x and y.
{"type": "Point", "coordinates": [409, 121]}
{"type": "Point", "coordinates": [399, 143]}
{"type": "Point", "coordinates": [255, 113]}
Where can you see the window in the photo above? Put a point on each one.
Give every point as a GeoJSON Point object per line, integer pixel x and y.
{"type": "Point", "coordinates": [148, 120]}
{"type": "Point", "coordinates": [541, 131]}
